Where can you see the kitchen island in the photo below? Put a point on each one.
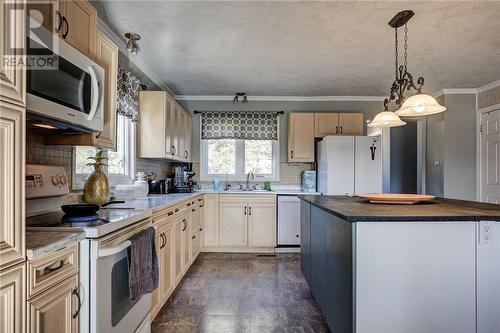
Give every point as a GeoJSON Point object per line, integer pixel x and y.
{"type": "Point", "coordinates": [430, 267]}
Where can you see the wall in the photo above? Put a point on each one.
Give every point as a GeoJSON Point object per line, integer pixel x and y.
{"type": "Point", "coordinates": [451, 141]}
{"type": "Point", "coordinates": [488, 97]}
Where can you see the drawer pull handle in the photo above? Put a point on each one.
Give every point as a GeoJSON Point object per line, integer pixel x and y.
{"type": "Point", "coordinates": [185, 224]}
{"type": "Point", "coordinates": [77, 294]}
{"type": "Point", "coordinates": [51, 268]}
{"type": "Point", "coordinates": [170, 213]}
{"type": "Point", "coordinates": [193, 237]}
{"type": "Point", "coordinates": [201, 229]}
{"type": "Point", "coordinates": [188, 204]}
{"type": "Point", "coordinates": [193, 210]}
{"type": "Point", "coordinates": [176, 210]}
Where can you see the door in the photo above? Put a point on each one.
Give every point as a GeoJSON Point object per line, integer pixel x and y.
{"type": "Point", "coordinates": [80, 25]}
{"type": "Point", "coordinates": [12, 299]}
{"type": "Point", "coordinates": [351, 124]}
{"type": "Point", "coordinates": [326, 124]}
{"type": "Point", "coordinates": [233, 224]}
{"type": "Point", "coordinates": [107, 57]}
{"type": "Point", "coordinates": [166, 272]}
{"type": "Point", "coordinates": [56, 309]}
{"type": "Point", "coordinates": [186, 242]}
{"type": "Point", "coordinates": [12, 132]}
{"type": "Point", "coordinates": [288, 220]}
{"type": "Point", "coordinates": [178, 250]}
{"type": "Point", "coordinates": [12, 37]}
{"type": "Point", "coordinates": [301, 137]}
{"type": "Point", "coordinates": [490, 157]}
{"type": "Point", "coordinates": [262, 225]}
{"type": "Point", "coordinates": [211, 220]}
{"type": "Point", "coordinates": [156, 296]}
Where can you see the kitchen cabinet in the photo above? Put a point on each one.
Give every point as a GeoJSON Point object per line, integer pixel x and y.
{"type": "Point", "coordinates": [186, 242]}
{"type": "Point", "coordinates": [13, 299]}
{"type": "Point", "coordinates": [301, 137]}
{"type": "Point", "coordinates": [12, 143]}
{"type": "Point", "coordinates": [178, 250]}
{"type": "Point", "coordinates": [156, 295]}
{"type": "Point", "coordinates": [351, 123]}
{"type": "Point", "coordinates": [79, 27]}
{"type": "Point", "coordinates": [55, 310]}
{"type": "Point", "coordinates": [211, 220]}
{"type": "Point", "coordinates": [164, 128]}
{"type": "Point", "coordinates": [107, 57]}
{"type": "Point", "coordinates": [346, 123]}
{"type": "Point", "coordinates": [12, 40]}
{"type": "Point", "coordinates": [305, 240]}
{"type": "Point", "coordinates": [233, 223]}
{"type": "Point", "coordinates": [164, 245]}
{"type": "Point", "coordinates": [47, 13]}
{"type": "Point", "coordinates": [195, 231]}
{"type": "Point", "coordinates": [262, 225]}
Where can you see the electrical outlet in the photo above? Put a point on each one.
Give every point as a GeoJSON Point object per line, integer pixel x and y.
{"type": "Point", "coordinates": [486, 232]}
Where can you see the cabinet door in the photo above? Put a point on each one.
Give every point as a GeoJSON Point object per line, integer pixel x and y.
{"type": "Point", "coordinates": [262, 225]}
{"type": "Point", "coordinates": [351, 124]}
{"type": "Point", "coordinates": [187, 136]}
{"type": "Point", "coordinates": [174, 139]}
{"type": "Point", "coordinates": [186, 242]}
{"type": "Point", "coordinates": [305, 240]}
{"type": "Point", "coordinates": [169, 127]}
{"type": "Point", "coordinates": [47, 13]}
{"type": "Point", "coordinates": [301, 137]}
{"type": "Point", "coordinates": [233, 224]}
{"type": "Point", "coordinates": [53, 310]}
{"type": "Point", "coordinates": [81, 28]}
{"type": "Point", "coordinates": [156, 297]}
{"type": "Point", "coordinates": [12, 299]}
{"type": "Point", "coordinates": [12, 37]}
{"type": "Point", "coordinates": [152, 124]}
{"type": "Point", "coordinates": [181, 134]}
{"type": "Point", "coordinates": [211, 220]}
{"type": "Point", "coordinates": [178, 250]}
{"type": "Point", "coordinates": [326, 124]}
{"type": "Point", "coordinates": [166, 272]}
{"type": "Point", "coordinates": [12, 142]}
{"type": "Point", "coordinates": [107, 57]}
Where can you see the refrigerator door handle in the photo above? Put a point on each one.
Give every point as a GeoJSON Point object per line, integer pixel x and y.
{"type": "Point", "coordinates": [372, 149]}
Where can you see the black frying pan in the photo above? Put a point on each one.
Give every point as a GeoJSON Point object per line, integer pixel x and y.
{"type": "Point", "coordinates": [85, 209]}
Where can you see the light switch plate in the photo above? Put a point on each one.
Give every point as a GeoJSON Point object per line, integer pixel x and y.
{"type": "Point", "coordinates": [486, 231]}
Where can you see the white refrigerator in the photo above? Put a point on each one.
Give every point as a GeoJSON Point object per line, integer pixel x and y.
{"type": "Point", "coordinates": [349, 165]}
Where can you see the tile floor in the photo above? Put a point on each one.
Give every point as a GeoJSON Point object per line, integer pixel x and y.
{"type": "Point", "coordinates": [241, 293]}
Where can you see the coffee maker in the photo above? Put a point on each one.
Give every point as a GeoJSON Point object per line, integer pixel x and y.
{"type": "Point", "coordinates": [183, 182]}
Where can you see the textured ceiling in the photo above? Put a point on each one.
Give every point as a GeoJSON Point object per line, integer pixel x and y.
{"type": "Point", "coordinates": [308, 48]}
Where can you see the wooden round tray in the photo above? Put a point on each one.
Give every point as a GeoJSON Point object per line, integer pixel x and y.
{"type": "Point", "coordinates": [396, 198]}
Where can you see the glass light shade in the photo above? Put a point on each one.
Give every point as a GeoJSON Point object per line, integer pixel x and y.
{"type": "Point", "coordinates": [419, 105]}
{"type": "Point", "coordinates": [386, 119]}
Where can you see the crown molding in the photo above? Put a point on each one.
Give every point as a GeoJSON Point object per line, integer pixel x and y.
{"type": "Point", "coordinates": [135, 59]}
{"type": "Point", "coordinates": [457, 91]}
{"type": "Point", "coordinates": [488, 86]}
{"type": "Point", "coordinates": [282, 98]}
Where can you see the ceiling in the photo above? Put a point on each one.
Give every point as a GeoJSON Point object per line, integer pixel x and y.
{"type": "Point", "coordinates": [306, 48]}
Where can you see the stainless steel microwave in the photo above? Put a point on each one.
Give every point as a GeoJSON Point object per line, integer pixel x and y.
{"type": "Point", "coordinates": [68, 93]}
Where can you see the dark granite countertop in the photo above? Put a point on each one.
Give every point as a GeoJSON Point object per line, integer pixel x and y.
{"type": "Point", "coordinates": [355, 209]}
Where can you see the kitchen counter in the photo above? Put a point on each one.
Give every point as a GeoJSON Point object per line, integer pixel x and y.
{"type": "Point", "coordinates": [354, 209]}
{"type": "Point", "coordinates": [40, 242]}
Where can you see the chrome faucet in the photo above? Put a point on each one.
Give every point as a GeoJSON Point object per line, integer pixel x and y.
{"type": "Point", "coordinates": [248, 180]}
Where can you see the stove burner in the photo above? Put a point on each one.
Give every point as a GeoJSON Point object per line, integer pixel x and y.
{"type": "Point", "coordinates": [87, 218]}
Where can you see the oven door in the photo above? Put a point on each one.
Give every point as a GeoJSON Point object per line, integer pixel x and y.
{"type": "Point", "coordinates": [112, 309]}
{"type": "Point", "coordinates": [66, 87]}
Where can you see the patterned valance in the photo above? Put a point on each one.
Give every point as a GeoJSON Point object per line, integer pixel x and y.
{"type": "Point", "coordinates": [243, 125]}
{"type": "Point", "coordinates": [128, 94]}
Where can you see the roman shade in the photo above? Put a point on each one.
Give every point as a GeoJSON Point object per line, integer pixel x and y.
{"type": "Point", "coordinates": [240, 125]}
{"type": "Point", "coordinates": [127, 103]}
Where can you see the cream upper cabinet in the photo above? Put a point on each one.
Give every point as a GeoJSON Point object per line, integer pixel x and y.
{"type": "Point", "coordinates": [79, 27]}
{"type": "Point", "coordinates": [351, 124]}
{"type": "Point", "coordinates": [174, 129]}
{"type": "Point", "coordinates": [107, 57]}
{"type": "Point", "coordinates": [326, 124]}
{"type": "Point", "coordinates": [12, 37]}
{"type": "Point", "coordinates": [12, 142]}
{"type": "Point", "coordinates": [188, 125]}
{"type": "Point", "coordinates": [233, 224]}
{"type": "Point", "coordinates": [211, 220]}
{"type": "Point", "coordinates": [47, 13]}
{"type": "Point", "coordinates": [181, 131]}
{"type": "Point", "coordinates": [262, 225]}
{"type": "Point", "coordinates": [301, 137]}
{"type": "Point", "coordinates": [170, 123]}
{"type": "Point", "coordinates": [55, 310]}
{"type": "Point", "coordinates": [13, 299]}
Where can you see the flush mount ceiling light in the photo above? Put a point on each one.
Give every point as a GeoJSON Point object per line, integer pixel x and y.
{"type": "Point", "coordinates": [237, 96]}
{"type": "Point", "coordinates": [416, 105]}
{"type": "Point", "coordinates": [132, 45]}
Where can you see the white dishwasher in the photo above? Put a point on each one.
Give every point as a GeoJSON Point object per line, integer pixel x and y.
{"type": "Point", "coordinates": [288, 220]}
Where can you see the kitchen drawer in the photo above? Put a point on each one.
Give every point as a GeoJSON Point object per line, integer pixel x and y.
{"type": "Point", "coordinates": [49, 270]}
{"type": "Point", "coordinates": [250, 198]}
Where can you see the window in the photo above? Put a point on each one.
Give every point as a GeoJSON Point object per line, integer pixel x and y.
{"type": "Point", "coordinates": [234, 159]}
{"type": "Point", "coordinates": [121, 163]}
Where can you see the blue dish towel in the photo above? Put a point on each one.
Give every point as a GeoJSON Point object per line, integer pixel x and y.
{"type": "Point", "coordinates": [143, 264]}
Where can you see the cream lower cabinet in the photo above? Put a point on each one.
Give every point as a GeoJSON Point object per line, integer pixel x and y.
{"type": "Point", "coordinates": [165, 252]}
{"type": "Point", "coordinates": [178, 250]}
{"type": "Point", "coordinates": [186, 242]}
{"type": "Point", "coordinates": [262, 225]}
{"type": "Point", "coordinates": [56, 309]}
{"type": "Point", "coordinates": [13, 299]}
{"type": "Point", "coordinates": [211, 220]}
{"type": "Point", "coordinates": [233, 224]}
{"type": "Point", "coordinates": [195, 230]}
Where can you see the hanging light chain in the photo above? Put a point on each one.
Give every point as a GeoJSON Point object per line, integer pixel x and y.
{"type": "Point", "coordinates": [396, 51]}
{"type": "Point", "coordinates": [406, 47]}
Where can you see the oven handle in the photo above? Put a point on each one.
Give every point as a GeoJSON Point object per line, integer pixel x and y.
{"type": "Point", "coordinates": [95, 92]}
{"type": "Point", "coordinates": [112, 250]}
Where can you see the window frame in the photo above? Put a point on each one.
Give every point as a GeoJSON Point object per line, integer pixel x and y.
{"type": "Point", "coordinates": [240, 164]}
{"type": "Point", "coordinates": [128, 133]}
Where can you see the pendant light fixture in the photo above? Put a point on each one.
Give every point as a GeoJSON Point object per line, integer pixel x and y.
{"type": "Point", "coordinates": [415, 106]}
